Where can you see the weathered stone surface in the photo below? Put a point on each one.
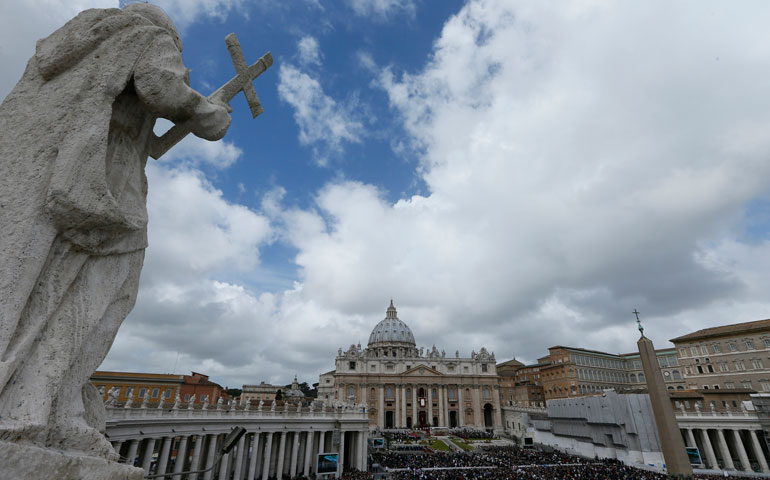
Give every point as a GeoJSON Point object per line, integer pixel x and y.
{"type": "Point", "coordinates": [24, 462]}
{"type": "Point", "coordinates": [76, 132]}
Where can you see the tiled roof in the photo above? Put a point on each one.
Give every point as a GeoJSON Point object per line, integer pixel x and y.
{"type": "Point", "coordinates": [724, 330]}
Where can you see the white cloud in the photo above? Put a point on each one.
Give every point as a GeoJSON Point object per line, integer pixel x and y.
{"type": "Point", "coordinates": [186, 12]}
{"type": "Point", "coordinates": [581, 162]}
{"type": "Point", "coordinates": [323, 123]}
{"type": "Point", "coordinates": [308, 51]}
{"type": "Point", "coordinates": [194, 151]}
{"type": "Point", "coordinates": [382, 9]}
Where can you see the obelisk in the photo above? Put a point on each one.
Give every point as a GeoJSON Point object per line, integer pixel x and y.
{"type": "Point", "coordinates": [674, 454]}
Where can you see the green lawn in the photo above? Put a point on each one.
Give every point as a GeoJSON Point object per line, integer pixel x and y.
{"type": "Point", "coordinates": [461, 444]}
{"type": "Point", "coordinates": [437, 444]}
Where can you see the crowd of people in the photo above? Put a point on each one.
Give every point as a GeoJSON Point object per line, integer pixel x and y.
{"type": "Point", "coordinates": [470, 433]}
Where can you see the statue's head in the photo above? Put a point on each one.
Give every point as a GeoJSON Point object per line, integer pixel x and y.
{"type": "Point", "coordinates": [157, 17]}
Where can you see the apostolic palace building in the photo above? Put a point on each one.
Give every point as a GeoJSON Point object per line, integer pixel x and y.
{"type": "Point", "coordinates": [403, 386]}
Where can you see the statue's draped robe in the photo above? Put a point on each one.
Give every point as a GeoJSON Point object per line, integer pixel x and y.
{"type": "Point", "coordinates": [75, 138]}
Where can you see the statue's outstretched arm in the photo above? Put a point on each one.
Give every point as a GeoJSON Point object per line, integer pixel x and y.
{"type": "Point", "coordinates": [160, 80]}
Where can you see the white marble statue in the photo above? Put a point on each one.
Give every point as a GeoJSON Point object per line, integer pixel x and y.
{"type": "Point", "coordinates": [76, 133]}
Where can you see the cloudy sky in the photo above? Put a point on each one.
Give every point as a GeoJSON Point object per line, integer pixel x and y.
{"type": "Point", "coordinates": [515, 175]}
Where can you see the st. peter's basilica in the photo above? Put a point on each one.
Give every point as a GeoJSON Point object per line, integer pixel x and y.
{"type": "Point", "coordinates": [403, 386]}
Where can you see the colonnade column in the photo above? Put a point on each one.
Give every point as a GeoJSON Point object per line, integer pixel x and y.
{"type": "Point", "coordinates": [133, 446]}
{"type": "Point", "coordinates": [238, 473]}
{"type": "Point", "coordinates": [461, 406]}
{"type": "Point", "coordinates": [758, 452]}
{"type": "Point", "coordinates": [149, 448]}
{"type": "Point", "coordinates": [476, 406]}
{"type": "Point", "coordinates": [181, 456]}
{"type": "Point", "coordinates": [710, 456]}
{"type": "Point", "coordinates": [254, 457]}
{"type": "Point", "coordinates": [281, 455]}
{"type": "Point", "coordinates": [362, 451]}
{"type": "Point", "coordinates": [163, 454]}
{"type": "Point", "coordinates": [723, 448]}
{"type": "Point", "coordinates": [224, 466]}
{"type": "Point", "coordinates": [294, 454]}
{"type": "Point", "coordinates": [308, 452]}
{"type": "Point", "coordinates": [211, 456]}
{"type": "Point", "coordinates": [266, 459]}
{"type": "Point", "coordinates": [690, 438]}
{"type": "Point", "coordinates": [381, 408]}
{"type": "Point", "coordinates": [198, 441]}
{"type": "Point", "coordinates": [414, 405]}
{"type": "Point", "coordinates": [441, 409]}
{"type": "Point", "coordinates": [745, 465]}
{"type": "Point", "coordinates": [341, 465]}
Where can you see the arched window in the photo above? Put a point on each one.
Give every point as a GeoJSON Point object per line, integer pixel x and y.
{"type": "Point", "coordinates": [641, 378]}
{"type": "Point", "coordinates": [389, 392]}
{"type": "Point", "coordinates": [486, 393]}
{"type": "Point", "coordinates": [677, 375]}
{"type": "Point", "coordinates": [434, 394]}
{"type": "Point", "coordinates": [408, 393]}
{"type": "Point", "coordinates": [633, 378]}
{"type": "Point", "coordinates": [351, 391]}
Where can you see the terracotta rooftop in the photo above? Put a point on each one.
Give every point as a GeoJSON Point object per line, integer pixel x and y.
{"type": "Point", "coordinates": [724, 330]}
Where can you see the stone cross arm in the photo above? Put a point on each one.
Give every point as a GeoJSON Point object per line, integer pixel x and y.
{"type": "Point", "coordinates": [245, 74]}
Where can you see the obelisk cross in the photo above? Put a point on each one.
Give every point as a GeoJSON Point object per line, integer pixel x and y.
{"type": "Point", "coordinates": [240, 83]}
{"type": "Point", "coordinates": [641, 328]}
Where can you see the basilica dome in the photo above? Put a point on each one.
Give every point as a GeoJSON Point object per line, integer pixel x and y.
{"type": "Point", "coordinates": [391, 331]}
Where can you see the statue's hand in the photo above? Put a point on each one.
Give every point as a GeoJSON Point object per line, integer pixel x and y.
{"type": "Point", "coordinates": [210, 121]}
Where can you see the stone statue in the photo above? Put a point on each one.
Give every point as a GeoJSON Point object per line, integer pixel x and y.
{"type": "Point", "coordinates": [112, 396]}
{"type": "Point", "coordinates": [145, 398]}
{"type": "Point", "coordinates": [191, 403]}
{"type": "Point", "coordinates": [272, 406]}
{"type": "Point", "coordinates": [76, 133]}
{"type": "Point", "coordinates": [220, 402]}
{"type": "Point", "coordinates": [129, 400]}
{"type": "Point", "coordinates": [177, 402]}
{"type": "Point", "coordinates": [261, 404]}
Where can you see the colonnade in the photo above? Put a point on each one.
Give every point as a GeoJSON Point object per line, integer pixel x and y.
{"type": "Point", "coordinates": [258, 455]}
{"type": "Point", "coordinates": [459, 398]}
{"type": "Point", "coordinates": [276, 443]}
{"type": "Point", "coordinates": [728, 448]}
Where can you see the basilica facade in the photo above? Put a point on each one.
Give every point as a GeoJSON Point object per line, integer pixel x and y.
{"type": "Point", "coordinates": [405, 387]}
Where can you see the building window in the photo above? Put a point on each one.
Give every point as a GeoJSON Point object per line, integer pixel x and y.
{"type": "Point", "coordinates": [717, 348]}
{"type": "Point", "coordinates": [739, 365]}
{"type": "Point", "coordinates": [483, 367]}
{"type": "Point", "coordinates": [352, 365]}
{"type": "Point", "coordinates": [704, 350]}
{"type": "Point", "coordinates": [168, 393]}
{"type": "Point", "coordinates": [389, 392]}
{"type": "Point", "coordinates": [756, 363]}
{"type": "Point", "coordinates": [724, 367]}
{"type": "Point", "coordinates": [186, 397]}
{"type": "Point", "coordinates": [676, 375]}
{"type": "Point", "coordinates": [749, 344]}
{"type": "Point", "coordinates": [155, 392]}
{"type": "Point", "coordinates": [746, 384]}
{"type": "Point", "coordinates": [765, 385]}
{"type": "Point", "coordinates": [351, 391]}
{"type": "Point", "coordinates": [732, 346]}
{"type": "Point", "coordinates": [694, 351]}
{"type": "Point", "coordinates": [641, 378]}
{"type": "Point", "coordinates": [142, 392]}
{"type": "Point", "coordinates": [452, 393]}
{"type": "Point", "coordinates": [683, 352]}
{"type": "Point", "coordinates": [710, 368]}
{"type": "Point", "coordinates": [729, 385]}
{"type": "Point", "coordinates": [766, 341]}
{"type": "Point", "coordinates": [486, 393]}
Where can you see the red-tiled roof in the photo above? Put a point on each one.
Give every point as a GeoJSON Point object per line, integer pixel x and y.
{"type": "Point", "coordinates": [724, 330]}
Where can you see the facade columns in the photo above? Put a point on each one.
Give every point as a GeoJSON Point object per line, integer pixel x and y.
{"type": "Point", "coordinates": [308, 452]}
{"type": "Point", "coordinates": [149, 448]}
{"type": "Point", "coordinates": [397, 413]}
{"type": "Point", "coordinates": [266, 459]}
{"type": "Point", "coordinates": [362, 451]}
{"type": "Point", "coordinates": [181, 456]}
{"type": "Point", "coordinates": [725, 450]}
{"type": "Point", "coordinates": [430, 405]}
{"type": "Point", "coordinates": [163, 455]}
{"type": "Point", "coordinates": [294, 454]}
{"type": "Point", "coordinates": [758, 452]}
{"type": "Point", "coordinates": [498, 421]}
{"type": "Point", "coordinates": [414, 406]}
{"type": "Point", "coordinates": [710, 456]}
{"type": "Point", "coordinates": [131, 455]}
{"type": "Point", "coordinates": [402, 413]}
{"type": "Point", "coordinates": [252, 474]}
{"type": "Point", "coordinates": [476, 406]}
{"type": "Point", "coordinates": [461, 406]}
{"type": "Point", "coordinates": [381, 408]}
{"type": "Point", "coordinates": [745, 465]}
{"type": "Point", "coordinates": [441, 410]}
{"type": "Point", "coordinates": [238, 474]}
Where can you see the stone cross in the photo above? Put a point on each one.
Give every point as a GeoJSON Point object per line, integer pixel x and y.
{"type": "Point", "coordinates": [245, 74]}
